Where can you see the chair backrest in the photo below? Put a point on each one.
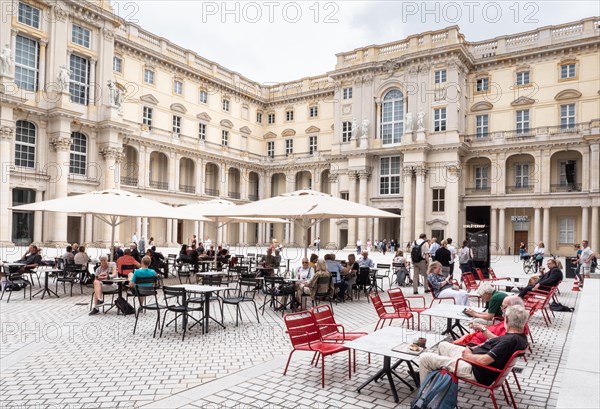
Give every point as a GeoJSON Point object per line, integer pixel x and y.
{"type": "Point", "coordinates": [247, 286]}
{"type": "Point", "coordinates": [323, 286]}
{"type": "Point", "coordinates": [179, 294]}
{"type": "Point", "coordinates": [397, 299]}
{"type": "Point", "coordinates": [383, 266]}
{"type": "Point", "coordinates": [251, 255]}
{"type": "Point", "coordinates": [127, 267]}
{"type": "Point", "coordinates": [377, 303]}
{"type": "Point", "coordinates": [212, 280]}
{"type": "Point", "coordinates": [479, 274]}
{"type": "Point", "coordinates": [145, 286]}
{"type": "Point", "coordinates": [323, 315]}
{"type": "Point", "coordinates": [470, 282]}
{"type": "Point", "coordinates": [364, 275]}
{"type": "Point", "coordinates": [302, 328]}
{"type": "Point", "coordinates": [507, 368]}
{"type": "Point", "coordinates": [271, 282]}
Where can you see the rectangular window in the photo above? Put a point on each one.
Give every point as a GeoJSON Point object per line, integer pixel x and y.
{"type": "Point", "coordinates": [522, 77]}
{"type": "Point", "coordinates": [289, 147]}
{"type": "Point", "coordinates": [224, 138]}
{"type": "Point", "coordinates": [389, 175]}
{"type": "Point", "coordinates": [271, 119]}
{"type": "Point", "coordinates": [522, 175]}
{"type": "Point", "coordinates": [440, 76]}
{"type": "Point", "coordinates": [566, 230]}
{"type": "Point", "coordinates": [226, 105]}
{"type": "Point", "coordinates": [481, 126]}
{"type": "Point", "coordinates": [80, 35]}
{"type": "Point", "coordinates": [567, 116]}
{"type": "Point", "coordinates": [78, 154]}
{"type": "Point", "coordinates": [147, 116]}
{"type": "Point", "coordinates": [176, 124]}
{"type": "Point", "coordinates": [312, 144]}
{"type": "Point", "coordinates": [29, 15]}
{"type": "Point", "coordinates": [313, 112]}
{"type": "Point", "coordinates": [80, 79]}
{"type": "Point", "coordinates": [345, 195]}
{"type": "Point", "coordinates": [202, 132]}
{"type": "Point", "coordinates": [178, 87]}
{"type": "Point", "coordinates": [27, 58]}
{"type": "Point", "coordinates": [346, 131]}
{"type": "Point", "coordinates": [567, 71]}
{"type": "Point", "coordinates": [271, 149]}
{"type": "Point", "coordinates": [347, 93]}
{"type": "Point", "coordinates": [522, 121]}
{"type": "Point", "coordinates": [203, 97]}
{"type": "Point", "coordinates": [481, 177]}
{"type": "Point", "coordinates": [149, 76]}
{"type": "Point", "coordinates": [439, 198]}
{"type": "Point", "coordinates": [117, 64]}
{"type": "Point", "coordinates": [259, 117]}
{"type": "Point", "coordinates": [439, 119]}
{"type": "Point", "coordinates": [289, 115]}
{"type": "Point", "coordinates": [25, 144]}
{"type": "Point", "coordinates": [482, 84]}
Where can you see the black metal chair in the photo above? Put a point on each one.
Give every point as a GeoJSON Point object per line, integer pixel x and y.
{"type": "Point", "coordinates": [214, 281]}
{"type": "Point", "coordinates": [246, 292]}
{"type": "Point", "coordinates": [15, 282]}
{"type": "Point", "coordinates": [322, 284]}
{"type": "Point", "coordinates": [184, 271]}
{"type": "Point", "coordinates": [271, 291]}
{"type": "Point", "coordinates": [363, 282]}
{"type": "Point", "coordinates": [73, 273]}
{"type": "Point", "coordinates": [176, 301]}
{"type": "Point", "coordinates": [147, 287]}
{"type": "Point", "coordinates": [383, 275]}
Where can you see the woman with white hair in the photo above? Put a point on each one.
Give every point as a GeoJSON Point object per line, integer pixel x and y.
{"type": "Point", "coordinates": [443, 287]}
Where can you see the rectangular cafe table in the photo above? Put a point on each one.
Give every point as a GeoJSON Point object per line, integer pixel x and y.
{"type": "Point", "coordinates": [46, 290]}
{"type": "Point", "coordinates": [381, 343]}
{"type": "Point", "coordinates": [451, 312]}
{"type": "Point", "coordinates": [207, 290]}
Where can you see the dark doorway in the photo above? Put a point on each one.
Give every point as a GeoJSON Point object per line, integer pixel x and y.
{"type": "Point", "coordinates": [74, 229]}
{"type": "Point", "coordinates": [180, 232]}
{"type": "Point", "coordinates": [22, 222]}
{"type": "Point", "coordinates": [477, 231]}
{"type": "Point", "coordinates": [520, 236]}
{"type": "Point", "coordinates": [343, 238]}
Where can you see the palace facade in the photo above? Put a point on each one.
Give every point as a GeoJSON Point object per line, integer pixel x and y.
{"type": "Point", "coordinates": [498, 140]}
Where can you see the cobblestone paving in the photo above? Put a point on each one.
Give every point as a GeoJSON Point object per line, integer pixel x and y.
{"type": "Point", "coordinates": [53, 355]}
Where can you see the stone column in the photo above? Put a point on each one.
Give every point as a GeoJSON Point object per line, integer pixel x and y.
{"type": "Point", "coordinates": [62, 144]}
{"type": "Point", "coordinates": [7, 163]}
{"type": "Point", "coordinates": [595, 239]}
{"type": "Point", "coordinates": [174, 179]}
{"type": "Point", "coordinates": [420, 204]}
{"type": "Point", "coordinates": [407, 207]}
{"type": "Point", "coordinates": [199, 172]}
{"type": "Point", "coordinates": [585, 223]}
{"type": "Point", "coordinates": [93, 83]}
{"type": "Point", "coordinates": [290, 186]}
{"type": "Point", "coordinates": [494, 242]}
{"type": "Point", "coordinates": [453, 174]}
{"type": "Point", "coordinates": [376, 230]}
{"type": "Point", "coordinates": [594, 173]}
{"type": "Point", "coordinates": [537, 228]}
{"type": "Point", "coordinates": [89, 229]}
{"type": "Point", "coordinates": [352, 234]}
{"type": "Point", "coordinates": [169, 236]}
{"type": "Point", "coordinates": [42, 65]}
{"type": "Point", "coordinates": [501, 231]}
{"type": "Point", "coordinates": [144, 167]}
{"type": "Point", "coordinates": [546, 227]}
{"type": "Point", "coordinates": [333, 227]}
{"type": "Point", "coordinates": [37, 218]}
{"type": "Point", "coordinates": [363, 176]}
{"type": "Point", "coordinates": [144, 232]}
{"type": "Point", "coordinates": [175, 231]}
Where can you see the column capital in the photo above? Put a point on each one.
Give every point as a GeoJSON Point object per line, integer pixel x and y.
{"type": "Point", "coordinates": [61, 144]}
{"type": "Point", "coordinates": [421, 170]}
{"type": "Point", "coordinates": [111, 152]}
{"type": "Point", "coordinates": [7, 133]}
{"type": "Point", "coordinates": [332, 177]}
{"type": "Point", "coordinates": [364, 174]}
{"type": "Point", "coordinates": [408, 170]}
{"type": "Point", "coordinates": [454, 168]}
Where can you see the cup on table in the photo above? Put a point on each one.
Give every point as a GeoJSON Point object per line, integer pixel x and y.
{"type": "Point", "coordinates": [422, 342]}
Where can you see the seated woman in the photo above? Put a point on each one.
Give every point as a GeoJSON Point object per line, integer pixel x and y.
{"type": "Point", "coordinates": [311, 288]}
{"type": "Point", "coordinates": [442, 287]}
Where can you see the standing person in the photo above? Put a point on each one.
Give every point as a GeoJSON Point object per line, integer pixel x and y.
{"type": "Point", "coordinates": [358, 246]}
{"type": "Point", "coordinates": [401, 267]}
{"type": "Point", "coordinates": [318, 244]}
{"type": "Point", "coordinates": [142, 245]}
{"type": "Point", "coordinates": [465, 258]}
{"type": "Point", "coordinates": [369, 245]}
{"type": "Point", "coordinates": [384, 247]}
{"type": "Point", "coordinates": [538, 253]}
{"type": "Point", "coordinates": [442, 287]}
{"type": "Point", "coordinates": [434, 247]}
{"type": "Point", "coordinates": [419, 255]}
{"type": "Point", "coordinates": [443, 255]}
{"type": "Point", "coordinates": [194, 241]}
{"type": "Point", "coordinates": [587, 256]}
{"type": "Point", "coordinates": [207, 242]}
{"type": "Point", "coordinates": [452, 255]}
{"type": "Point", "coordinates": [151, 242]}
{"type": "Point", "coordinates": [134, 238]}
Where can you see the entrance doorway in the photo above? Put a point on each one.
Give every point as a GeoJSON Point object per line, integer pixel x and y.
{"type": "Point", "coordinates": [520, 236]}
{"type": "Point", "coordinates": [343, 238]}
{"type": "Point", "coordinates": [74, 229]}
{"type": "Point", "coordinates": [180, 232]}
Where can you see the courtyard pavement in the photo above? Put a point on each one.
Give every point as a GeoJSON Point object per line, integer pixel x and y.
{"type": "Point", "coordinates": [53, 355]}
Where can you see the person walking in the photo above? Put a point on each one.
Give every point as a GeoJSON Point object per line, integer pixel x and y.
{"type": "Point", "coordinates": [465, 258]}
{"type": "Point", "coordinates": [419, 255]}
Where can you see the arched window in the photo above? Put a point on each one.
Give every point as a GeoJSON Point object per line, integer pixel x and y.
{"type": "Point", "coordinates": [392, 117]}
{"type": "Point", "coordinates": [25, 144]}
{"type": "Point", "coordinates": [78, 158]}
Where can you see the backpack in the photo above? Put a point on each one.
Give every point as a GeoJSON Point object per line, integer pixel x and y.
{"type": "Point", "coordinates": [438, 391]}
{"type": "Point", "coordinates": [556, 306]}
{"type": "Point", "coordinates": [416, 254]}
{"type": "Point", "coordinates": [124, 306]}
{"type": "Point", "coordinates": [464, 256]}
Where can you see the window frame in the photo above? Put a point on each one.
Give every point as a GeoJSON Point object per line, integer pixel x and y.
{"type": "Point", "coordinates": [271, 149]}
{"type": "Point", "coordinates": [22, 70]}
{"type": "Point", "coordinates": [392, 129]}
{"type": "Point", "coordinates": [440, 119]}
{"type": "Point", "coordinates": [523, 77]}
{"type": "Point", "coordinates": [270, 118]}
{"type": "Point", "coordinates": [566, 232]}
{"type": "Point", "coordinates": [481, 177]}
{"type": "Point", "coordinates": [522, 175]}
{"type": "Point", "coordinates": [346, 131]}
{"type": "Point", "coordinates": [482, 128]}
{"type": "Point", "coordinates": [259, 117]}
{"type": "Point", "coordinates": [438, 196]}
{"type": "Point", "coordinates": [313, 144]}
{"type": "Point", "coordinates": [289, 147]}
{"type": "Point", "coordinates": [117, 61]}
{"type": "Point", "coordinates": [482, 84]}
{"type": "Point", "coordinates": [25, 150]}
{"type": "Point", "coordinates": [568, 117]}
{"type": "Point", "coordinates": [79, 156]}
{"type": "Point", "coordinates": [522, 124]}
{"type": "Point", "coordinates": [347, 92]}
{"type": "Point", "coordinates": [203, 96]}
{"type": "Point", "coordinates": [224, 137]}
{"type": "Point", "coordinates": [202, 129]}
{"type": "Point", "coordinates": [289, 115]}
{"type": "Point", "coordinates": [177, 86]}
{"type": "Point", "coordinates": [389, 182]}
{"type": "Point", "coordinates": [147, 116]}
{"type": "Point", "coordinates": [79, 85]}
{"type": "Point", "coordinates": [149, 76]}
{"type": "Point", "coordinates": [226, 105]}
{"type": "Point", "coordinates": [176, 124]}
{"type": "Point", "coordinates": [31, 14]}
{"type": "Point", "coordinates": [569, 73]}
{"type": "Point", "coordinates": [81, 35]}
{"type": "Point", "coordinates": [313, 111]}
{"type": "Point", "coordinates": [440, 76]}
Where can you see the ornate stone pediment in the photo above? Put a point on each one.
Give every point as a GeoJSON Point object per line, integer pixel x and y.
{"type": "Point", "coordinates": [522, 101]}
{"type": "Point", "coordinates": [481, 106]}
{"type": "Point", "coordinates": [312, 129]}
{"type": "Point", "coordinates": [177, 107]}
{"type": "Point", "coordinates": [436, 221]}
{"type": "Point", "coordinates": [149, 98]}
{"type": "Point", "coordinates": [245, 130]}
{"type": "Point", "coordinates": [226, 123]}
{"type": "Point", "coordinates": [204, 116]}
{"type": "Point", "coordinates": [270, 135]}
{"type": "Point", "coordinates": [288, 132]}
{"type": "Point", "coordinates": [567, 94]}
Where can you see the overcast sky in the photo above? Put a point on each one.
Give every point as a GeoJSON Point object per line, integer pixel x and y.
{"type": "Point", "coordinates": [275, 41]}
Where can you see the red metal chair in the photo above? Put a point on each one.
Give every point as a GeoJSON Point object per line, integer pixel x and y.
{"type": "Point", "coordinates": [493, 277]}
{"type": "Point", "coordinates": [480, 275]}
{"type": "Point", "coordinates": [401, 304]}
{"type": "Point", "coordinates": [305, 336]}
{"type": "Point", "coordinates": [540, 301]}
{"type": "Point", "coordinates": [501, 381]}
{"type": "Point", "coordinates": [384, 315]}
{"type": "Point", "coordinates": [331, 330]}
{"type": "Point", "coordinates": [471, 286]}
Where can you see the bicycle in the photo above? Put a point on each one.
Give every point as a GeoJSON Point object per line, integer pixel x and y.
{"type": "Point", "coordinates": [529, 265]}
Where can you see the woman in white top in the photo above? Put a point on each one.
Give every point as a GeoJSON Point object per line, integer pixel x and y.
{"type": "Point", "coordinates": [538, 254]}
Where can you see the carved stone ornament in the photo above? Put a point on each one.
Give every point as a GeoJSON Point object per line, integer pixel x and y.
{"type": "Point", "coordinates": [111, 152]}
{"type": "Point", "coordinates": [332, 177]}
{"type": "Point", "coordinates": [6, 132]}
{"type": "Point", "coordinates": [108, 33]}
{"type": "Point", "coordinates": [364, 174]}
{"type": "Point", "coordinates": [389, 67]}
{"type": "Point", "coordinates": [61, 144]}
{"type": "Point", "coordinates": [60, 14]}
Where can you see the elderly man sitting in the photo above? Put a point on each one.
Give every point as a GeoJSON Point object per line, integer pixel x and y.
{"type": "Point", "coordinates": [493, 300]}
{"type": "Point", "coordinates": [495, 352]}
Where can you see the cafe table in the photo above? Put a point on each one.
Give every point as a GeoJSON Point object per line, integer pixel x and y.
{"type": "Point", "coordinates": [451, 312]}
{"type": "Point", "coordinates": [207, 290]}
{"type": "Point", "coordinates": [46, 290]}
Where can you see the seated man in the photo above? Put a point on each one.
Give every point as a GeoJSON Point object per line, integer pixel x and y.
{"type": "Point", "coordinates": [126, 260]}
{"type": "Point", "coordinates": [105, 271]}
{"type": "Point", "coordinates": [365, 261]}
{"type": "Point", "coordinates": [135, 253]}
{"type": "Point", "coordinates": [493, 303]}
{"type": "Point", "coordinates": [68, 256]}
{"type": "Point", "coordinates": [495, 352]}
{"type": "Point", "coordinates": [31, 260]}
{"type": "Point", "coordinates": [158, 260]}
{"type": "Point", "coordinates": [550, 279]}
{"type": "Point", "coordinates": [488, 332]}
{"type": "Point", "coordinates": [143, 272]}
{"type": "Point", "coordinates": [337, 272]}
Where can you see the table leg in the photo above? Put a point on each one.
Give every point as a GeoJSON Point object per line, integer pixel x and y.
{"type": "Point", "coordinates": [46, 289]}
{"type": "Point", "coordinates": [385, 371]}
{"type": "Point", "coordinates": [206, 311]}
{"type": "Point", "coordinates": [449, 330]}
